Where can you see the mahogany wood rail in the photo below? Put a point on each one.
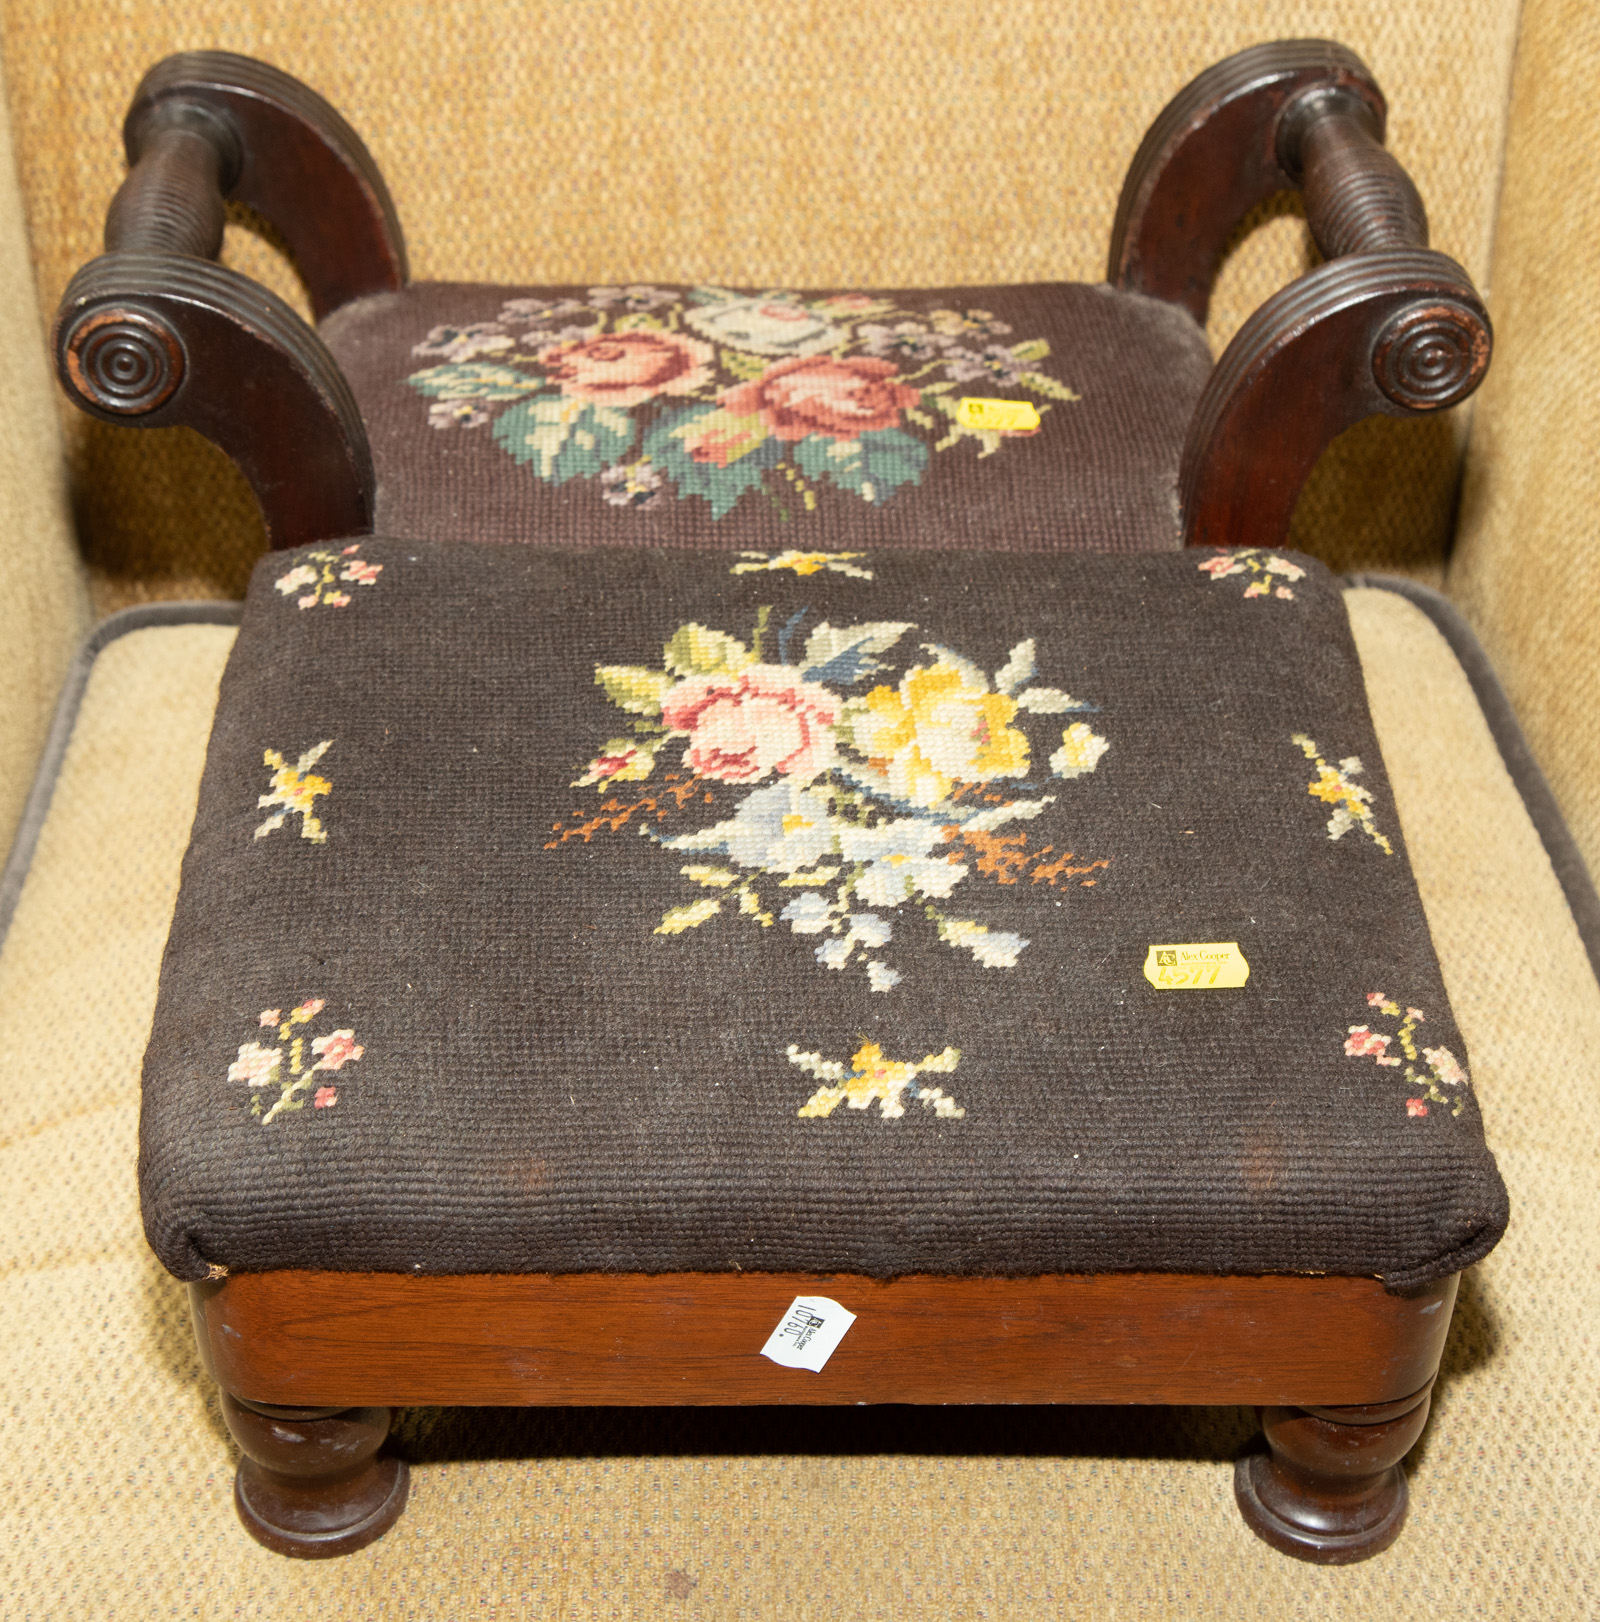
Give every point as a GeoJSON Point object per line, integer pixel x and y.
{"type": "Point", "coordinates": [1337, 1362]}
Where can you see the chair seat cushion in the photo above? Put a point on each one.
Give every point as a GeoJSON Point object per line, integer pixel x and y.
{"type": "Point", "coordinates": [555, 909]}
{"type": "Point", "coordinates": [645, 415]}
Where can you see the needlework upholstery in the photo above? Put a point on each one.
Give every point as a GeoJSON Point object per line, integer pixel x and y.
{"type": "Point", "coordinates": [559, 909]}
{"type": "Point", "coordinates": [645, 414]}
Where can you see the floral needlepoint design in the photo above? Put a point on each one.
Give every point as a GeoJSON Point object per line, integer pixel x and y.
{"type": "Point", "coordinates": [1337, 786]}
{"type": "Point", "coordinates": [1264, 571]}
{"type": "Point", "coordinates": [1434, 1073]}
{"type": "Point", "coordinates": [867, 795]}
{"type": "Point", "coordinates": [287, 1066]}
{"type": "Point", "coordinates": [659, 396]}
{"type": "Point", "coordinates": [319, 579]}
{"type": "Point", "coordinates": [296, 790]}
{"type": "Point", "coordinates": [802, 563]}
{"type": "Point", "coordinates": [870, 1078]}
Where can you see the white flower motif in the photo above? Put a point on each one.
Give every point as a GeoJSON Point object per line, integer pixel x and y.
{"type": "Point", "coordinates": [898, 865]}
{"type": "Point", "coordinates": [772, 325]}
{"type": "Point", "coordinates": [782, 828]}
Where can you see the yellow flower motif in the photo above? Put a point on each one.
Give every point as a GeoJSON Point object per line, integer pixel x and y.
{"type": "Point", "coordinates": [873, 1078]}
{"type": "Point", "coordinates": [803, 563]}
{"type": "Point", "coordinates": [937, 730]}
{"type": "Point", "coordinates": [1080, 751]}
{"type": "Point", "coordinates": [296, 789]}
{"type": "Point", "coordinates": [1336, 786]}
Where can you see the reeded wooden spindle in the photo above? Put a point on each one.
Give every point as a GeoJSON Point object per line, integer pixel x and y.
{"type": "Point", "coordinates": [172, 199]}
{"type": "Point", "coordinates": [1358, 198]}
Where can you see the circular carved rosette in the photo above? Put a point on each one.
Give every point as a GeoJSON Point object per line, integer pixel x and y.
{"type": "Point", "coordinates": [124, 360]}
{"type": "Point", "coordinates": [1431, 356]}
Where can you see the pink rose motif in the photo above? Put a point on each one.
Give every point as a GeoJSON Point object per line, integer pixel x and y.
{"type": "Point", "coordinates": [1444, 1064]}
{"type": "Point", "coordinates": [301, 575]}
{"type": "Point", "coordinates": [309, 601]}
{"type": "Point", "coordinates": [339, 599]}
{"type": "Point", "coordinates": [1376, 999]}
{"type": "Point", "coordinates": [744, 727]}
{"type": "Point", "coordinates": [821, 394]}
{"type": "Point", "coordinates": [1217, 567]}
{"type": "Point", "coordinates": [325, 1098]}
{"type": "Point", "coordinates": [270, 1016]}
{"type": "Point", "coordinates": [309, 1009]}
{"type": "Point", "coordinates": [1415, 1106]}
{"type": "Point", "coordinates": [349, 549]}
{"type": "Point", "coordinates": [256, 1065]}
{"type": "Point", "coordinates": [364, 574]}
{"type": "Point", "coordinates": [336, 1050]}
{"type": "Point", "coordinates": [628, 368]}
{"type": "Point", "coordinates": [609, 765]}
{"type": "Point", "coordinates": [1362, 1041]}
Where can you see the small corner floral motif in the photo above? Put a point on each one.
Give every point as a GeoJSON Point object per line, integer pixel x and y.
{"type": "Point", "coordinates": [318, 579]}
{"type": "Point", "coordinates": [870, 1078]}
{"type": "Point", "coordinates": [1264, 570]}
{"type": "Point", "coordinates": [660, 394]}
{"type": "Point", "coordinates": [1336, 786]}
{"type": "Point", "coordinates": [862, 801]}
{"type": "Point", "coordinates": [296, 789]}
{"type": "Point", "coordinates": [803, 563]}
{"type": "Point", "coordinates": [286, 1066]}
{"type": "Point", "coordinates": [1444, 1081]}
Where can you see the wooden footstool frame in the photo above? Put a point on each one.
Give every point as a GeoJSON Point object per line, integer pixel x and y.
{"type": "Point", "coordinates": [1340, 1371]}
{"type": "Point", "coordinates": [155, 334]}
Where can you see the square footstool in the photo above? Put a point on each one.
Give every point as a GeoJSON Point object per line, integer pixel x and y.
{"type": "Point", "coordinates": [593, 965]}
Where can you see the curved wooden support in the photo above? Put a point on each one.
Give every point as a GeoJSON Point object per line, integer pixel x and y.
{"type": "Point", "coordinates": [1399, 331]}
{"type": "Point", "coordinates": [311, 1483]}
{"type": "Point", "coordinates": [165, 340]}
{"type": "Point", "coordinates": [1331, 1489]}
{"type": "Point", "coordinates": [276, 146]}
{"type": "Point", "coordinates": [1270, 118]}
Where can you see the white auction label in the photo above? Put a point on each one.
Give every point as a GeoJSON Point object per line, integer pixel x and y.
{"type": "Point", "coordinates": [808, 1333]}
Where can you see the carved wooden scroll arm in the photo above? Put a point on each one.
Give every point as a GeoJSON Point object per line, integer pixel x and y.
{"type": "Point", "coordinates": [153, 334]}
{"type": "Point", "coordinates": [1386, 326]}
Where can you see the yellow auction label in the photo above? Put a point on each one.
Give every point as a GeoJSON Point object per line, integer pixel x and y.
{"type": "Point", "coordinates": [997, 416]}
{"type": "Point", "coordinates": [1198, 966]}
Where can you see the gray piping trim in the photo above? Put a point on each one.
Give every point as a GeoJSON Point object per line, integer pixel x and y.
{"type": "Point", "coordinates": [15, 872]}
{"type": "Point", "coordinates": [1559, 845]}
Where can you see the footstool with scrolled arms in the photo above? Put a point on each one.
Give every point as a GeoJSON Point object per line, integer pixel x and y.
{"type": "Point", "coordinates": [1039, 417]}
{"type": "Point", "coordinates": [624, 975]}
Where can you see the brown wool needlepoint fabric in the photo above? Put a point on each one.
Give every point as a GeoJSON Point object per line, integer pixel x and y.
{"type": "Point", "coordinates": [621, 909]}
{"type": "Point", "coordinates": [667, 415]}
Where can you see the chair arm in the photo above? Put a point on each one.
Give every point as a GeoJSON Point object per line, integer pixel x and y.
{"type": "Point", "coordinates": [207, 126]}
{"type": "Point", "coordinates": [1384, 326]}
{"type": "Point", "coordinates": [152, 335]}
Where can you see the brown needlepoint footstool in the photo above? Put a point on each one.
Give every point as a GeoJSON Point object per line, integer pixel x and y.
{"type": "Point", "coordinates": [579, 938]}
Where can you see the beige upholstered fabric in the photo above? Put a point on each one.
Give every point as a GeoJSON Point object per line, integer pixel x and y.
{"type": "Point", "coordinates": [1527, 569]}
{"type": "Point", "coordinates": [117, 1501]}
{"type": "Point", "coordinates": [834, 142]}
{"type": "Point", "coordinates": [42, 608]}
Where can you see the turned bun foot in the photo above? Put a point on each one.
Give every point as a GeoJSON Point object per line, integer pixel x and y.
{"type": "Point", "coordinates": [310, 1483]}
{"type": "Point", "coordinates": [1331, 1489]}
